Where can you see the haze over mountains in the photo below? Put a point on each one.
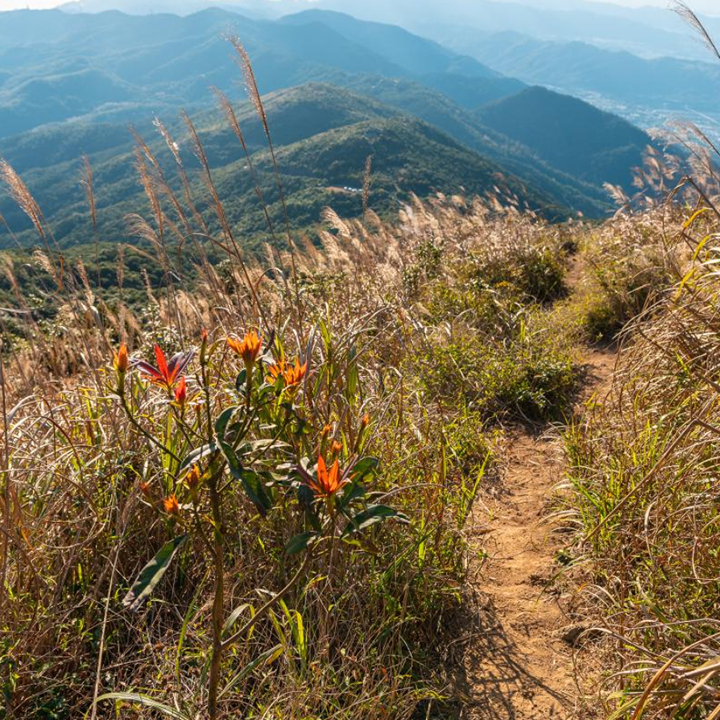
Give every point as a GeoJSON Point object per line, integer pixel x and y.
{"type": "Point", "coordinates": [643, 63]}
{"type": "Point", "coordinates": [70, 83]}
{"type": "Point", "coordinates": [648, 31]}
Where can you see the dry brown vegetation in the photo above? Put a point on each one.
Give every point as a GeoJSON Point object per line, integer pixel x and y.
{"type": "Point", "coordinates": [286, 585]}
{"type": "Point", "coordinates": [644, 465]}
{"type": "Point", "coordinates": [405, 325]}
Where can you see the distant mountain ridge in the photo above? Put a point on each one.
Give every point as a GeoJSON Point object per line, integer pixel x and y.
{"type": "Point", "coordinates": [411, 52]}
{"type": "Point", "coordinates": [668, 84]}
{"type": "Point", "coordinates": [646, 31]}
{"type": "Point", "coordinates": [406, 98]}
{"type": "Point", "coordinates": [323, 136]}
{"type": "Point", "coordinates": [144, 65]}
{"type": "Point", "coordinates": [643, 63]}
{"type": "Point", "coordinates": [570, 135]}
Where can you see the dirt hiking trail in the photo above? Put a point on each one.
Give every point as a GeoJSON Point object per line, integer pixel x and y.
{"type": "Point", "coordinates": [518, 659]}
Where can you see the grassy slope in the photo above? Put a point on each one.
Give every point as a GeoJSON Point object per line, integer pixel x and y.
{"type": "Point", "coordinates": [302, 114]}
{"type": "Point", "coordinates": [372, 611]}
{"type": "Point", "coordinates": [570, 135]}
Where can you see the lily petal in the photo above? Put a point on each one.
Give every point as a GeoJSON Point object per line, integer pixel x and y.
{"type": "Point", "coordinates": [162, 364]}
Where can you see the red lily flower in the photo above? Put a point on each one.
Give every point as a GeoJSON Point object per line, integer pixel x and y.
{"type": "Point", "coordinates": [328, 482]}
{"type": "Point", "coordinates": [167, 373]}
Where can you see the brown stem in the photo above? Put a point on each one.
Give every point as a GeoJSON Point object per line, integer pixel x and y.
{"type": "Point", "coordinates": [6, 478]}
{"type": "Point", "coordinates": [218, 603]}
{"type": "Point", "coordinates": [144, 432]}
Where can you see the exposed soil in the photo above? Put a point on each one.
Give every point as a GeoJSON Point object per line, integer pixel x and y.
{"type": "Point", "coordinates": [518, 660]}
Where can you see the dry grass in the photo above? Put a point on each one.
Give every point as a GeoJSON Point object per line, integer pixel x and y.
{"type": "Point", "coordinates": [352, 627]}
{"type": "Point", "coordinates": [644, 468]}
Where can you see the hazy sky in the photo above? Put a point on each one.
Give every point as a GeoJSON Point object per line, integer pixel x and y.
{"type": "Point", "coordinates": [711, 7]}
{"type": "Point", "coordinates": [13, 5]}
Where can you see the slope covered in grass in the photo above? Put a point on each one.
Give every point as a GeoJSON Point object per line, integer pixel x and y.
{"type": "Point", "coordinates": [325, 133]}
{"type": "Point", "coordinates": [570, 135]}
{"type": "Point", "coordinates": [284, 588]}
{"type": "Point", "coordinates": [644, 472]}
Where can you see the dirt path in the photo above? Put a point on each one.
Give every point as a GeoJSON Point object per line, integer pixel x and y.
{"type": "Point", "coordinates": [518, 664]}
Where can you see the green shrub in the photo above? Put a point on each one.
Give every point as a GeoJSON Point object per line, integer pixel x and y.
{"type": "Point", "coordinates": [526, 377]}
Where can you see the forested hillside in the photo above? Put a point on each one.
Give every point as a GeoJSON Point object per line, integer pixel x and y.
{"type": "Point", "coordinates": [75, 93]}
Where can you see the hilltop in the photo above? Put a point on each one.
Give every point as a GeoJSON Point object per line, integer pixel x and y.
{"type": "Point", "coordinates": [570, 135]}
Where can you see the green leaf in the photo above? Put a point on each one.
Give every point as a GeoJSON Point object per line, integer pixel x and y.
{"type": "Point", "coordinates": [151, 574]}
{"type": "Point", "coordinates": [365, 469]}
{"type": "Point", "coordinates": [147, 701]}
{"type": "Point", "coordinates": [256, 490]}
{"type": "Point", "coordinates": [352, 492]}
{"type": "Point", "coordinates": [299, 542]}
{"type": "Point", "coordinates": [374, 514]}
{"type": "Point", "coordinates": [252, 482]}
{"type": "Point", "coordinates": [222, 422]}
{"type": "Point", "coordinates": [269, 656]}
{"type": "Point", "coordinates": [197, 455]}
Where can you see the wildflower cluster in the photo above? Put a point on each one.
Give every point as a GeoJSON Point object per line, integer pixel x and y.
{"type": "Point", "coordinates": [257, 433]}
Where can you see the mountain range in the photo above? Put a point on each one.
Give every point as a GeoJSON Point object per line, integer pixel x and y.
{"type": "Point", "coordinates": [341, 90]}
{"type": "Point", "coordinates": [646, 31]}
{"type": "Point", "coordinates": [643, 63]}
{"type": "Point", "coordinates": [648, 92]}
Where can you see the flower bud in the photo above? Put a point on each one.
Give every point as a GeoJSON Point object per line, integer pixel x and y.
{"type": "Point", "coordinates": [181, 392]}
{"type": "Point", "coordinates": [193, 479]}
{"type": "Point", "coordinates": [122, 360]}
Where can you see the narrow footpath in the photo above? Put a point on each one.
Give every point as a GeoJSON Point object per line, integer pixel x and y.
{"type": "Point", "coordinates": [518, 662]}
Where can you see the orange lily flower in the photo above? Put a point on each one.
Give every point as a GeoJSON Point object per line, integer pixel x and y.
{"type": "Point", "coordinates": [295, 374]}
{"type": "Point", "coordinates": [275, 371]}
{"type": "Point", "coordinates": [292, 374]}
{"type": "Point", "coordinates": [171, 505]}
{"type": "Point", "coordinates": [248, 348]}
{"type": "Point", "coordinates": [168, 372]}
{"type": "Point", "coordinates": [328, 482]}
